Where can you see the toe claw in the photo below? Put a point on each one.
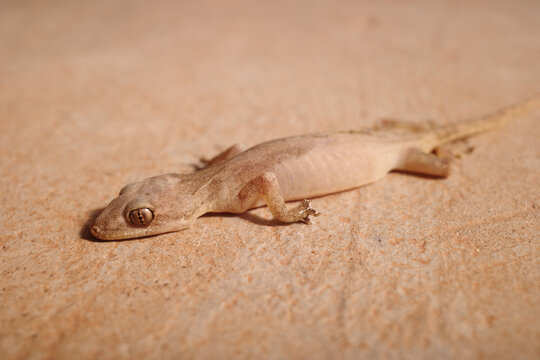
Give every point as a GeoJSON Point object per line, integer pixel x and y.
{"type": "Point", "coordinates": [308, 210]}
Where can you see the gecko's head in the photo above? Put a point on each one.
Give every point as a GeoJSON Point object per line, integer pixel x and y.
{"type": "Point", "coordinates": [146, 208]}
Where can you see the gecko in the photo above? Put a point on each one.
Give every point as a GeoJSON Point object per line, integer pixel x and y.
{"type": "Point", "coordinates": [288, 169]}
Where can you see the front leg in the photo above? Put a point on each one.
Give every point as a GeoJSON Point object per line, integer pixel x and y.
{"type": "Point", "coordinates": [267, 187]}
{"type": "Point", "coordinates": [224, 155]}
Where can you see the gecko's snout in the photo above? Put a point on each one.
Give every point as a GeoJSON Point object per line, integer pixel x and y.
{"type": "Point", "coordinates": [95, 231]}
{"type": "Point", "coordinates": [102, 232]}
{"type": "Point", "coordinates": [98, 232]}
{"type": "Point", "coordinates": [109, 225]}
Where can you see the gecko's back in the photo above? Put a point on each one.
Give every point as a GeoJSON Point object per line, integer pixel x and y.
{"type": "Point", "coordinates": [318, 164]}
{"type": "Point", "coordinates": [314, 165]}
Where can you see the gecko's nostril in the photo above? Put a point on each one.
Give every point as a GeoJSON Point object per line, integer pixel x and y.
{"type": "Point", "coordinates": [94, 230]}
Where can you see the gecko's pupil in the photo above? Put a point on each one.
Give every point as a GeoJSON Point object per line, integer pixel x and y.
{"type": "Point", "coordinates": [141, 217]}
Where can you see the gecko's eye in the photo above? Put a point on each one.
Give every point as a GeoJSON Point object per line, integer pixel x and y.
{"type": "Point", "coordinates": [141, 217]}
{"type": "Point", "coordinates": [139, 213]}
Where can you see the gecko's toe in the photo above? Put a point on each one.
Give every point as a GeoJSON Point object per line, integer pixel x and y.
{"type": "Point", "coordinates": [307, 211]}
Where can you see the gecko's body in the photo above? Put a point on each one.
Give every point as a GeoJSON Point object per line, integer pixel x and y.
{"type": "Point", "coordinates": [281, 170]}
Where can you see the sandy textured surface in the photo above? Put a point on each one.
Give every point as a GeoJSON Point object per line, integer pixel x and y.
{"type": "Point", "coordinates": [97, 94]}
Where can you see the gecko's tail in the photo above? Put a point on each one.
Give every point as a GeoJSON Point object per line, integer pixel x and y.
{"type": "Point", "coordinates": [464, 129]}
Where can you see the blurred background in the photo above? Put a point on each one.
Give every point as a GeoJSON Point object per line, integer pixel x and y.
{"type": "Point", "coordinates": [97, 94]}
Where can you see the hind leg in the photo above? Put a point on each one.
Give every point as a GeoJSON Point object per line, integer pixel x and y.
{"type": "Point", "coordinates": [389, 124]}
{"type": "Point", "coordinates": [456, 149]}
{"type": "Point", "coordinates": [418, 162]}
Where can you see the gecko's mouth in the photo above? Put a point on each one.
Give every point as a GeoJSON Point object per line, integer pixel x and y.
{"type": "Point", "coordinates": [111, 235]}
{"type": "Point", "coordinates": [125, 235]}
{"type": "Point", "coordinates": [125, 232]}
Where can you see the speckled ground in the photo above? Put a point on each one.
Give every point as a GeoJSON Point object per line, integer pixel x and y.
{"type": "Point", "coordinates": [97, 94]}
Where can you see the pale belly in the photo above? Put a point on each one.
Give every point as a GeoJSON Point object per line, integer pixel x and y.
{"type": "Point", "coordinates": [334, 168]}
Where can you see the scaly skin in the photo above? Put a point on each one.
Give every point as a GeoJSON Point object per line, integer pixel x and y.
{"type": "Point", "coordinates": [282, 170]}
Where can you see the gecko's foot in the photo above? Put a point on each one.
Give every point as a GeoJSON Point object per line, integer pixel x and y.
{"type": "Point", "coordinates": [454, 150]}
{"type": "Point", "coordinates": [201, 164]}
{"type": "Point", "coordinates": [204, 160]}
{"type": "Point", "coordinates": [224, 155]}
{"type": "Point", "coordinates": [306, 211]}
{"type": "Point", "coordinates": [389, 124]}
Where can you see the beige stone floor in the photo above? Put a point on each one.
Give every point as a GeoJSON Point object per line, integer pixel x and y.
{"type": "Point", "coordinates": [96, 94]}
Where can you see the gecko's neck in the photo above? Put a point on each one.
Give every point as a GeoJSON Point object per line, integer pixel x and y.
{"type": "Point", "coordinates": [202, 189]}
